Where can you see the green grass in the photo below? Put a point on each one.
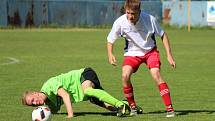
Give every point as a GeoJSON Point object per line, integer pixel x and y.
{"type": "Point", "coordinates": [48, 52]}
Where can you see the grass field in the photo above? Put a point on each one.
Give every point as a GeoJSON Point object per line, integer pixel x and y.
{"type": "Point", "coordinates": [30, 57]}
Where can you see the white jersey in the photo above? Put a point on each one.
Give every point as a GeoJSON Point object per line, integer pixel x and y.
{"type": "Point", "coordinates": [140, 38]}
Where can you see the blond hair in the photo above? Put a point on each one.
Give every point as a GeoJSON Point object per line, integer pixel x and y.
{"type": "Point", "coordinates": [24, 96]}
{"type": "Point", "coordinates": [132, 4]}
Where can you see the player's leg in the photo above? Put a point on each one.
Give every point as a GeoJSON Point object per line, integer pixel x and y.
{"type": "Point", "coordinates": [153, 63]}
{"type": "Point", "coordinates": [130, 65]}
{"type": "Point", "coordinates": [101, 97]}
{"type": "Point", "coordinates": [164, 91]}
{"type": "Point", "coordinates": [97, 95]}
{"type": "Point", "coordinates": [128, 88]}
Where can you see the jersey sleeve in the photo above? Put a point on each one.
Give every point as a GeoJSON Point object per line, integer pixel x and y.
{"type": "Point", "coordinates": [51, 87]}
{"type": "Point", "coordinates": [157, 28]}
{"type": "Point", "coordinates": [114, 33]}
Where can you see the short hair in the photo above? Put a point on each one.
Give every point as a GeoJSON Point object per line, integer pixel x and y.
{"type": "Point", "coordinates": [132, 4]}
{"type": "Point", "coordinates": [25, 94]}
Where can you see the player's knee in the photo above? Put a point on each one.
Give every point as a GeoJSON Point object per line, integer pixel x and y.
{"type": "Point", "coordinates": [125, 77]}
{"type": "Point", "coordinates": [158, 78]}
{"type": "Point", "coordinates": [155, 74]}
{"type": "Point", "coordinates": [86, 84]}
{"type": "Point", "coordinates": [155, 77]}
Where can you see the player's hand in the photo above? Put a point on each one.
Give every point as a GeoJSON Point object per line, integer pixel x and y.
{"type": "Point", "coordinates": [171, 61]}
{"type": "Point", "coordinates": [112, 60]}
{"type": "Point", "coordinates": [114, 63]}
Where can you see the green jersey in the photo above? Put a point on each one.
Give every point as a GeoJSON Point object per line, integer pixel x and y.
{"type": "Point", "coordinates": [68, 81]}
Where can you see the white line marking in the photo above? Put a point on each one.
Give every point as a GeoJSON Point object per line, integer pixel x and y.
{"type": "Point", "coordinates": [11, 61]}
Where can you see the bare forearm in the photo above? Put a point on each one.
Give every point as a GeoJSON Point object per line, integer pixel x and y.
{"type": "Point", "coordinates": [111, 57]}
{"type": "Point", "coordinates": [66, 99]}
{"type": "Point", "coordinates": [68, 105]}
{"type": "Point", "coordinates": [109, 48]}
{"type": "Point", "coordinates": [166, 44]}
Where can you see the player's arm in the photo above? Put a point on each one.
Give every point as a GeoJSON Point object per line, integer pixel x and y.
{"type": "Point", "coordinates": [66, 99]}
{"type": "Point", "coordinates": [111, 38]}
{"type": "Point", "coordinates": [111, 57]}
{"type": "Point", "coordinates": [166, 44]}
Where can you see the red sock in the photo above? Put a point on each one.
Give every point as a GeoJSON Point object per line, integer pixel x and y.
{"type": "Point", "coordinates": [128, 92]}
{"type": "Point", "coordinates": [165, 94]}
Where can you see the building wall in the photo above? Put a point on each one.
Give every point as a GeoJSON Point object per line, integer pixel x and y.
{"type": "Point", "coordinates": [176, 13]}
{"type": "Point", "coordinates": [3, 13]}
{"type": "Point", "coordinates": [25, 13]}
{"type": "Point", "coordinates": [94, 12]}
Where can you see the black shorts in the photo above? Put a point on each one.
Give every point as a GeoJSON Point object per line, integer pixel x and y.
{"type": "Point", "coordinates": [90, 74]}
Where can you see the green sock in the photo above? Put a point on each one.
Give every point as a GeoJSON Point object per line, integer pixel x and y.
{"type": "Point", "coordinates": [103, 96]}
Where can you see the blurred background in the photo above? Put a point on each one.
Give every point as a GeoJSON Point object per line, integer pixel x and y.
{"type": "Point", "coordinates": [89, 13]}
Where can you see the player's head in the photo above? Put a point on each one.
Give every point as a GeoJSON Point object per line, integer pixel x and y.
{"type": "Point", "coordinates": [32, 98]}
{"type": "Point", "coordinates": [132, 10]}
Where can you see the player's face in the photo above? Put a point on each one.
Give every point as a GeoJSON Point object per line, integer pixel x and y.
{"type": "Point", "coordinates": [34, 99]}
{"type": "Point", "coordinates": [132, 15]}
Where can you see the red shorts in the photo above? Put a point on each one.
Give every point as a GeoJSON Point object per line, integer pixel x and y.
{"type": "Point", "coordinates": [151, 59]}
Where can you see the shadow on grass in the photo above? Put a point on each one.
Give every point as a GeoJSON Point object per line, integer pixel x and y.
{"type": "Point", "coordinates": [184, 112]}
{"type": "Point", "coordinates": [178, 112]}
{"type": "Point", "coordinates": [91, 113]}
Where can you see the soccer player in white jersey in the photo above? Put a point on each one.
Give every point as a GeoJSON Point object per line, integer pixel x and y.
{"type": "Point", "coordinates": [139, 30]}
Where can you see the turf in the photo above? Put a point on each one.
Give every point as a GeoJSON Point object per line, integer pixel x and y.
{"type": "Point", "coordinates": [43, 53]}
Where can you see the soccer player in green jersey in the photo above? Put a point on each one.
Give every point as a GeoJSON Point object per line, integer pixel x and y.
{"type": "Point", "coordinates": [72, 87]}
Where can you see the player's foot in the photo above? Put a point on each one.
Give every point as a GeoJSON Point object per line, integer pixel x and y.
{"type": "Point", "coordinates": [123, 110]}
{"type": "Point", "coordinates": [133, 111]}
{"type": "Point", "coordinates": [170, 112]}
{"type": "Point", "coordinates": [139, 110]}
